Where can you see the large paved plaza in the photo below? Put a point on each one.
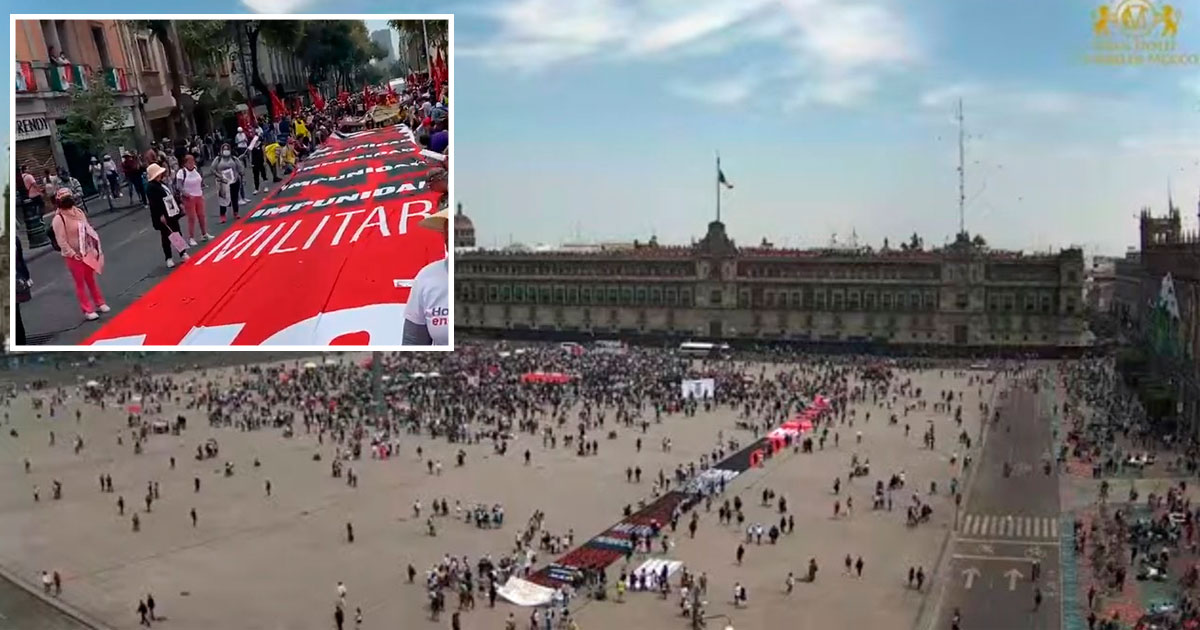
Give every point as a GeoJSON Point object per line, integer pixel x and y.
{"type": "Point", "coordinates": [259, 562]}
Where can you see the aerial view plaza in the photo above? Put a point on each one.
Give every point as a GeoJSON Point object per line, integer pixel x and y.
{"type": "Point", "coordinates": [754, 315]}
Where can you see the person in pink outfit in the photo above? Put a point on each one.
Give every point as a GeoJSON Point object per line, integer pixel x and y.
{"type": "Point", "coordinates": [80, 247]}
{"type": "Point", "coordinates": [189, 183]}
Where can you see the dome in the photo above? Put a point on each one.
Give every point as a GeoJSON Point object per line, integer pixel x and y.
{"type": "Point", "coordinates": [464, 229]}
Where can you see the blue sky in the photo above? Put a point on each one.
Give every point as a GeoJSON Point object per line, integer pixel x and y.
{"type": "Point", "coordinates": [602, 118]}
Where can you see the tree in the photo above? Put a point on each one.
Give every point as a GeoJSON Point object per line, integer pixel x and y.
{"type": "Point", "coordinates": [94, 121]}
{"type": "Point", "coordinates": [437, 32]}
{"type": "Point", "coordinates": [283, 34]}
{"type": "Point", "coordinates": [206, 43]}
{"type": "Point", "coordinates": [979, 242]}
{"type": "Point", "coordinates": [164, 32]}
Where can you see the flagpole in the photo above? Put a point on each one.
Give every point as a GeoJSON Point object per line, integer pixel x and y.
{"type": "Point", "coordinates": [718, 187]}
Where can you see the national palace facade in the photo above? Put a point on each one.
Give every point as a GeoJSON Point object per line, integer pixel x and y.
{"type": "Point", "coordinates": [962, 294]}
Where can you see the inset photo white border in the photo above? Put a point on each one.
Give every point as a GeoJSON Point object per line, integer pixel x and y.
{"type": "Point", "coordinates": [205, 338]}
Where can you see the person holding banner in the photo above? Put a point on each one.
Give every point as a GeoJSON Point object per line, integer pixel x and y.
{"type": "Point", "coordinates": [80, 247]}
{"type": "Point", "coordinates": [165, 213]}
{"type": "Point", "coordinates": [228, 171]}
{"type": "Point", "coordinates": [427, 314]}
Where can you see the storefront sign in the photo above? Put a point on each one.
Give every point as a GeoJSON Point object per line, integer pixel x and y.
{"type": "Point", "coordinates": [30, 128]}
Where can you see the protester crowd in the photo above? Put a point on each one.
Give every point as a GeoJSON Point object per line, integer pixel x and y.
{"type": "Point", "coordinates": [476, 396]}
{"type": "Point", "coordinates": [1132, 535]}
{"type": "Point", "coordinates": [174, 178]}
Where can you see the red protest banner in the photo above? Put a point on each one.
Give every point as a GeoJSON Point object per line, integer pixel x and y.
{"type": "Point", "coordinates": [327, 259]}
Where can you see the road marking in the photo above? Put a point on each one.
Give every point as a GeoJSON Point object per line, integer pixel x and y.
{"type": "Point", "coordinates": [1010, 526]}
{"type": "Point", "coordinates": [967, 556]}
{"type": "Point", "coordinates": [994, 541]}
{"type": "Point", "coordinates": [970, 574]}
{"type": "Point", "coordinates": [1013, 575]}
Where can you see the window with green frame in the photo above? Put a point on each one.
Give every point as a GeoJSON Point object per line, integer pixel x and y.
{"type": "Point", "coordinates": [506, 293]}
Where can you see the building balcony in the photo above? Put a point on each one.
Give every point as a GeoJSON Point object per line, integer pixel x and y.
{"type": "Point", "coordinates": [42, 78]}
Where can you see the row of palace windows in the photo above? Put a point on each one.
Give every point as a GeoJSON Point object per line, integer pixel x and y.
{"type": "Point", "coordinates": [799, 299]}
{"type": "Point", "coordinates": [547, 294]}
{"type": "Point", "coordinates": [1027, 302]}
{"type": "Point", "coordinates": [847, 272]}
{"type": "Point", "coordinates": [840, 300]}
{"type": "Point", "coordinates": [662, 270]}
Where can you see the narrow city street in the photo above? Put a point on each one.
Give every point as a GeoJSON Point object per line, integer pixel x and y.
{"type": "Point", "coordinates": [133, 265]}
{"type": "Point", "coordinates": [1007, 523]}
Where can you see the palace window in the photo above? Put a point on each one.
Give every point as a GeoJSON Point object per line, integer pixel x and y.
{"type": "Point", "coordinates": [672, 297]}
{"type": "Point", "coordinates": [626, 296]}
{"type": "Point", "coordinates": [886, 300]}
{"type": "Point", "coordinates": [819, 299]}
{"type": "Point", "coordinates": [839, 300]}
{"type": "Point", "coordinates": [492, 293]}
{"type": "Point", "coordinates": [506, 293]}
{"type": "Point", "coordinates": [962, 300]}
{"type": "Point", "coordinates": [573, 295]}
{"type": "Point", "coordinates": [1045, 303]}
{"type": "Point", "coordinates": [656, 296]}
{"type": "Point", "coordinates": [715, 298]}
{"type": "Point", "coordinates": [744, 299]}
{"type": "Point", "coordinates": [1030, 302]}
{"type": "Point", "coordinates": [915, 300]}
{"type": "Point", "coordinates": [545, 295]}
{"type": "Point", "coordinates": [797, 299]}
{"type": "Point", "coordinates": [641, 295]}
{"type": "Point", "coordinates": [855, 297]}
{"type": "Point", "coordinates": [930, 301]}
{"type": "Point", "coordinates": [869, 301]}
{"type": "Point", "coordinates": [614, 296]}
{"type": "Point", "coordinates": [901, 301]}
{"type": "Point", "coordinates": [585, 295]}
{"type": "Point", "coordinates": [685, 297]}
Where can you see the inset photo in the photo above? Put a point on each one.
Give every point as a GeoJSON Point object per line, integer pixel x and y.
{"type": "Point", "coordinates": [230, 183]}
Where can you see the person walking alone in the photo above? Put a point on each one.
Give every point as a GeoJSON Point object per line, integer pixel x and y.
{"type": "Point", "coordinates": [229, 172]}
{"type": "Point", "coordinates": [79, 245]}
{"type": "Point", "coordinates": [164, 213]}
{"type": "Point", "coordinates": [190, 184]}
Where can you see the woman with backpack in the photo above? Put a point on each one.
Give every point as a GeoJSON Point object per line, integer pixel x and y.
{"type": "Point", "coordinates": [79, 244]}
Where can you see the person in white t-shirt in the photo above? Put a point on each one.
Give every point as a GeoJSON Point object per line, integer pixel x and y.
{"type": "Point", "coordinates": [427, 315]}
{"type": "Point", "coordinates": [190, 185]}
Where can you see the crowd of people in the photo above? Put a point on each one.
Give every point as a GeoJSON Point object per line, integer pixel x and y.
{"type": "Point", "coordinates": [481, 400]}
{"type": "Point", "coordinates": [174, 178]}
{"type": "Point", "coordinates": [1135, 536]}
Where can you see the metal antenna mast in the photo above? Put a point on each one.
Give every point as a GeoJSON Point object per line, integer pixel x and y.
{"type": "Point", "coordinates": [962, 166]}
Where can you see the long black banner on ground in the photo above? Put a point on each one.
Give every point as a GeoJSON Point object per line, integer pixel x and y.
{"type": "Point", "coordinates": [616, 541]}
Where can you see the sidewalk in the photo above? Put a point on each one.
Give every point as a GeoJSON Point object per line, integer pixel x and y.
{"type": "Point", "coordinates": [133, 265]}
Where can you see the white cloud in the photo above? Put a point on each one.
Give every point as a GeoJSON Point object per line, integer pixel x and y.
{"type": "Point", "coordinates": [276, 6]}
{"type": "Point", "coordinates": [723, 91]}
{"type": "Point", "coordinates": [1011, 99]}
{"type": "Point", "coordinates": [839, 48]}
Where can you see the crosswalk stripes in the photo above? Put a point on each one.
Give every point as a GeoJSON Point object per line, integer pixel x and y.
{"type": "Point", "coordinates": [1009, 526]}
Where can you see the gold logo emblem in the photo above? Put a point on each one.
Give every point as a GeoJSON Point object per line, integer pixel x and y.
{"type": "Point", "coordinates": [1137, 32]}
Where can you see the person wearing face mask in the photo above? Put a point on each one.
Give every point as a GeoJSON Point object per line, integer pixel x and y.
{"type": "Point", "coordinates": [427, 314]}
{"type": "Point", "coordinates": [190, 185]}
{"type": "Point", "coordinates": [110, 174]}
{"type": "Point", "coordinates": [164, 214]}
{"type": "Point", "coordinates": [228, 171]}
{"type": "Point", "coordinates": [79, 245]}
{"type": "Point", "coordinates": [258, 163]}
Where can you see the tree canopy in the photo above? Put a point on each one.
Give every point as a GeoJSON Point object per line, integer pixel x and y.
{"type": "Point", "coordinates": [94, 122]}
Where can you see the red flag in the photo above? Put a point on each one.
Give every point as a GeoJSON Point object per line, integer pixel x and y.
{"type": "Point", "coordinates": [368, 98]}
{"type": "Point", "coordinates": [246, 118]}
{"type": "Point", "coordinates": [344, 98]}
{"type": "Point", "coordinates": [277, 107]}
{"type": "Point", "coordinates": [318, 102]}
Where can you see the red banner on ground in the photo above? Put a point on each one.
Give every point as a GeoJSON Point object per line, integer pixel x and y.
{"type": "Point", "coordinates": [327, 259]}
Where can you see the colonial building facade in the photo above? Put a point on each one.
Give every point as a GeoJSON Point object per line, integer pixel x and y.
{"type": "Point", "coordinates": [961, 295]}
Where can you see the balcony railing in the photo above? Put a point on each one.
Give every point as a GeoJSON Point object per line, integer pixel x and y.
{"type": "Point", "coordinates": [34, 77]}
